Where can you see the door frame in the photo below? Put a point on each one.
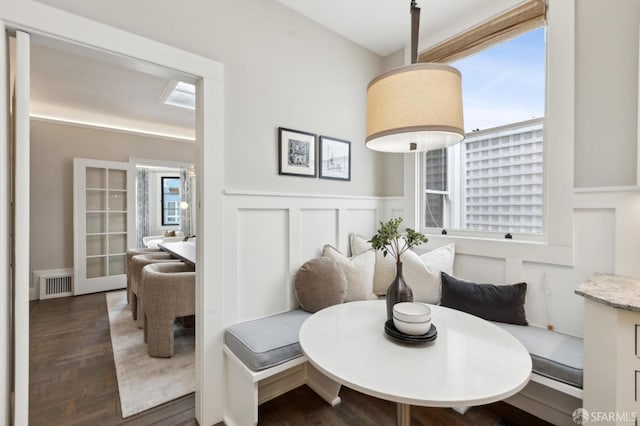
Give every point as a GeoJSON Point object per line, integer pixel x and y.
{"type": "Point", "coordinates": [21, 226]}
{"type": "Point", "coordinates": [5, 226]}
{"type": "Point", "coordinates": [55, 26]}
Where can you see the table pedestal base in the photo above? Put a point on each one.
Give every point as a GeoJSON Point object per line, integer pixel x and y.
{"type": "Point", "coordinates": [403, 414]}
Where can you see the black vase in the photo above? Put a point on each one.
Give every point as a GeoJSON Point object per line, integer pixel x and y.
{"type": "Point", "coordinates": [398, 291]}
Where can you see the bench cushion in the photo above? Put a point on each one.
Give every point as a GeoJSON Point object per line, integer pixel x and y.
{"type": "Point", "coordinates": [554, 355]}
{"type": "Point", "coordinates": [266, 342]}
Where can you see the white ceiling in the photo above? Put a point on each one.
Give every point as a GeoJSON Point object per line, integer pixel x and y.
{"type": "Point", "coordinates": [383, 26]}
{"type": "Point", "coordinates": [74, 86]}
{"type": "Point", "coordinates": [89, 87]}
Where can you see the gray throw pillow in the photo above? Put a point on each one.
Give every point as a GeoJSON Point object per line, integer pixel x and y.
{"type": "Point", "coordinates": [320, 283]}
{"type": "Point", "coordinates": [502, 303]}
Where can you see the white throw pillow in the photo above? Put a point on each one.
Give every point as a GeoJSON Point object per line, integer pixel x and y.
{"type": "Point", "coordinates": [421, 272]}
{"type": "Point", "coordinates": [385, 270]}
{"type": "Point", "coordinates": [359, 270]}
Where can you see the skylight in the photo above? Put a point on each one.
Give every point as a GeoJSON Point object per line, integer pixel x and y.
{"type": "Point", "coordinates": [182, 96]}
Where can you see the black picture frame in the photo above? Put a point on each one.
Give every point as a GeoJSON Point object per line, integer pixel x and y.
{"type": "Point", "coordinates": [297, 153]}
{"type": "Point", "coordinates": [335, 158]}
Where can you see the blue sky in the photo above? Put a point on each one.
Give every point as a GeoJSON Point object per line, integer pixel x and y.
{"type": "Point", "coordinates": [505, 83]}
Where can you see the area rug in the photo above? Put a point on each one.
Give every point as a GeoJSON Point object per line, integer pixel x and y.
{"type": "Point", "coordinates": [145, 382]}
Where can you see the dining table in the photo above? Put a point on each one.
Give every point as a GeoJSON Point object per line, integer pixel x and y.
{"type": "Point", "coordinates": [467, 362]}
{"type": "Point", "coordinates": [183, 250]}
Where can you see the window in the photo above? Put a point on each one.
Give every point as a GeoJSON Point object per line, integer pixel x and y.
{"type": "Point", "coordinates": [170, 208]}
{"type": "Point", "coordinates": [493, 180]}
{"type": "Point", "coordinates": [181, 95]}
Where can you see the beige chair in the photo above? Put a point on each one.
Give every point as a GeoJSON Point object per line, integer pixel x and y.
{"type": "Point", "coordinates": [137, 291]}
{"type": "Point", "coordinates": [130, 253]}
{"type": "Point", "coordinates": [169, 293]}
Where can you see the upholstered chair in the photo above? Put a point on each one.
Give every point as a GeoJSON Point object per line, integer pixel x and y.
{"type": "Point", "coordinates": [169, 293]}
{"type": "Point", "coordinates": [137, 291]}
{"type": "Point", "coordinates": [130, 253]}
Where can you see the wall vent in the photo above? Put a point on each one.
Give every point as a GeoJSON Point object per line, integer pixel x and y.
{"type": "Point", "coordinates": [54, 282]}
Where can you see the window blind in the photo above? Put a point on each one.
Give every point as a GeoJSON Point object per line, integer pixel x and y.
{"type": "Point", "coordinates": [519, 20]}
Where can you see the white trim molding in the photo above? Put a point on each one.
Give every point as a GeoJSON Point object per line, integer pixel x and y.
{"type": "Point", "coordinates": [267, 237]}
{"type": "Point", "coordinates": [5, 275]}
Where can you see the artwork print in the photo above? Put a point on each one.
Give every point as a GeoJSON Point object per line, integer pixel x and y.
{"type": "Point", "coordinates": [335, 158]}
{"type": "Point", "coordinates": [297, 153]}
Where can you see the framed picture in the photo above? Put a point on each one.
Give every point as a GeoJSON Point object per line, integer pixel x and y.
{"type": "Point", "coordinates": [335, 158]}
{"type": "Point", "coordinates": [296, 153]}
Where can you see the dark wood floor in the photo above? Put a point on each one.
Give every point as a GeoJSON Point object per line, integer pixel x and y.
{"type": "Point", "coordinates": [73, 382]}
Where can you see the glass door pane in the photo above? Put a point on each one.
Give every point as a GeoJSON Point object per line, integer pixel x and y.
{"type": "Point", "coordinates": [101, 224]}
{"type": "Point", "coordinates": [96, 178]}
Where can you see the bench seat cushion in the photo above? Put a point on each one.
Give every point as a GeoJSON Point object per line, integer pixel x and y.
{"type": "Point", "coordinates": [266, 342]}
{"type": "Point", "coordinates": [554, 355]}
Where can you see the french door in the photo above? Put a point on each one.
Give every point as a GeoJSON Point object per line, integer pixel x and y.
{"type": "Point", "coordinates": [103, 223]}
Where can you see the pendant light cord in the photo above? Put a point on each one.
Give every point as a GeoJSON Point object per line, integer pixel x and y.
{"type": "Point", "coordinates": [415, 30]}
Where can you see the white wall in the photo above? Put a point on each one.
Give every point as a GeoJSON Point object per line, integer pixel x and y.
{"type": "Point", "coordinates": [606, 149]}
{"type": "Point", "coordinates": [281, 70]}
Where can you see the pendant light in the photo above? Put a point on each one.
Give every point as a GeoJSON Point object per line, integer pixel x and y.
{"type": "Point", "coordinates": [417, 107]}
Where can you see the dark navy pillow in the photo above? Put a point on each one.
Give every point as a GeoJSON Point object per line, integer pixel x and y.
{"type": "Point", "coordinates": [502, 303]}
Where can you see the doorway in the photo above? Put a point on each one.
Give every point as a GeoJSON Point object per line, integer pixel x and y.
{"type": "Point", "coordinates": [209, 140]}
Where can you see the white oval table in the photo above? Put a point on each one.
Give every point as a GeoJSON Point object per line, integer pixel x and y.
{"type": "Point", "coordinates": [471, 362]}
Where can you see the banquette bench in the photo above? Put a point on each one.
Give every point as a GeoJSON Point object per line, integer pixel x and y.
{"type": "Point", "coordinates": [264, 360]}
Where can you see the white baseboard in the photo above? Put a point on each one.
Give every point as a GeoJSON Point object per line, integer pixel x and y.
{"type": "Point", "coordinates": [33, 293]}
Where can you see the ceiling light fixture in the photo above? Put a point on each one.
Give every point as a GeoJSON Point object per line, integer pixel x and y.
{"type": "Point", "coordinates": [417, 107]}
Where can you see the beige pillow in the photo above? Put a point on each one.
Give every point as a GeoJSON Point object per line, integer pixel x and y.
{"type": "Point", "coordinates": [358, 270]}
{"type": "Point", "coordinates": [421, 272]}
{"type": "Point", "coordinates": [320, 283]}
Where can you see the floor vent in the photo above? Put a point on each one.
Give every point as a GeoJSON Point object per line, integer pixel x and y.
{"type": "Point", "coordinates": [54, 283]}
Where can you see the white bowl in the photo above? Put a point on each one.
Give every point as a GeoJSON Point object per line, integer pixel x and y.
{"type": "Point", "coordinates": [412, 312]}
{"type": "Point", "coordinates": [412, 328]}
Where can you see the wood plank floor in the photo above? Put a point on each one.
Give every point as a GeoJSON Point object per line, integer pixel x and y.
{"type": "Point", "coordinates": [73, 382]}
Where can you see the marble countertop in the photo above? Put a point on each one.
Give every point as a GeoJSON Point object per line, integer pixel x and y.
{"type": "Point", "coordinates": [612, 290]}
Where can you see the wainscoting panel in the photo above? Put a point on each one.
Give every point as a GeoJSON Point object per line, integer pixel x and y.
{"type": "Point", "coordinates": [551, 300]}
{"type": "Point", "coordinates": [263, 255]}
{"type": "Point", "coordinates": [397, 212]}
{"type": "Point", "coordinates": [317, 228]}
{"type": "Point", "coordinates": [595, 240]}
{"type": "Point", "coordinates": [363, 222]}
{"type": "Point", "coordinates": [269, 235]}
{"type": "Point", "coordinates": [479, 268]}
